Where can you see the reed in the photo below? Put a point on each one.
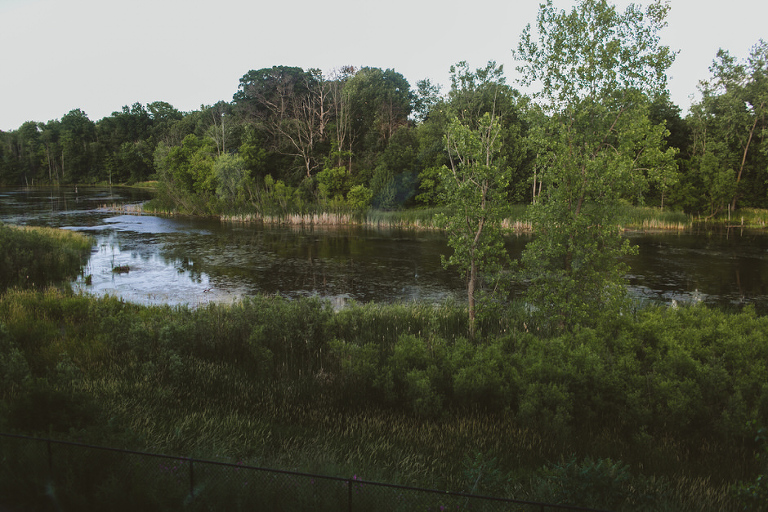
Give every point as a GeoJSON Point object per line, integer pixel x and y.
{"type": "Point", "coordinates": [652, 219]}
{"type": "Point", "coordinates": [420, 219]}
{"type": "Point", "coordinates": [515, 221]}
{"type": "Point", "coordinates": [748, 218]}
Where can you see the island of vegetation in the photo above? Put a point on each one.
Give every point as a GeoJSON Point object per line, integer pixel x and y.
{"type": "Point", "coordinates": [571, 394]}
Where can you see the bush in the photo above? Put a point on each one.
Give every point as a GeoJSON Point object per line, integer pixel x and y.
{"type": "Point", "coordinates": [359, 198]}
{"type": "Point", "coordinates": [600, 483]}
{"type": "Point", "coordinates": [754, 495]}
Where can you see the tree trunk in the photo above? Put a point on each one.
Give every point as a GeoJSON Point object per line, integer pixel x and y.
{"type": "Point", "coordinates": [744, 159]}
{"type": "Point", "coordinates": [471, 297]}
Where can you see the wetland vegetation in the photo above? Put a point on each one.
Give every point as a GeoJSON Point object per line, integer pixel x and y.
{"type": "Point", "coordinates": [667, 401]}
{"type": "Point", "coordinates": [572, 392]}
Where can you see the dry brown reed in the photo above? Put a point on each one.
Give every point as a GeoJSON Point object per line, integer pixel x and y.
{"type": "Point", "coordinates": [657, 224]}
{"type": "Point", "coordinates": [345, 219]}
{"type": "Point", "coordinates": [124, 208]}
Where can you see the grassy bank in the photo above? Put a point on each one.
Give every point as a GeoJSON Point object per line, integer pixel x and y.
{"type": "Point", "coordinates": [396, 393]}
{"type": "Point", "coordinates": [35, 257]}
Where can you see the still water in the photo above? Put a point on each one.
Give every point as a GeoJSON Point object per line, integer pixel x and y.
{"type": "Point", "coordinates": [181, 260]}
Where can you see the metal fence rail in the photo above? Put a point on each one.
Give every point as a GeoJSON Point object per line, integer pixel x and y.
{"type": "Point", "coordinates": [47, 474]}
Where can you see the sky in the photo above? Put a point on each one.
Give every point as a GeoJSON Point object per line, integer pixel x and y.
{"type": "Point", "coordinates": [99, 55]}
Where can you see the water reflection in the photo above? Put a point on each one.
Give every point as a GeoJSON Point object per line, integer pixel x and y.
{"type": "Point", "coordinates": [719, 268]}
{"type": "Point", "coordinates": [196, 261]}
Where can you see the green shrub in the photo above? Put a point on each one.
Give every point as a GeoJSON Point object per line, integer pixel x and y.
{"type": "Point", "coordinates": [754, 495]}
{"type": "Point", "coordinates": [399, 388]}
{"type": "Point", "coordinates": [359, 198]}
{"type": "Point", "coordinates": [483, 475]}
{"type": "Point", "coordinates": [600, 483]}
{"type": "Point", "coordinates": [484, 376]}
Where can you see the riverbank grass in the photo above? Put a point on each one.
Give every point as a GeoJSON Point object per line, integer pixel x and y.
{"type": "Point", "coordinates": [747, 218]}
{"type": "Point", "coordinates": [651, 218]}
{"type": "Point", "coordinates": [421, 218]}
{"type": "Point", "coordinates": [516, 221]}
{"type": "Point", "coordinates": [35, 257]}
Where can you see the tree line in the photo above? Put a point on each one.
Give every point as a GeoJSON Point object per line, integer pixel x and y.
{"type": "Point", "coordinates": [365, 137]}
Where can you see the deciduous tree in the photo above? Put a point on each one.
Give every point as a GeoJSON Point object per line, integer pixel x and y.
{"type": "Point", "coordinates": [597, 70]}
{"type": "Point", "coordinates": [730, 124]}
{"type": "Point", "coordinates": [474, 188]}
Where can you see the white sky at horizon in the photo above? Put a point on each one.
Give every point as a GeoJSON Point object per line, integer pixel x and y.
{"type": "Point", "coordinates": [98, 55]}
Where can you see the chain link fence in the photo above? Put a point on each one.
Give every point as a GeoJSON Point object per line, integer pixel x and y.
{"type": "Point", "coordinates": [45, 474]}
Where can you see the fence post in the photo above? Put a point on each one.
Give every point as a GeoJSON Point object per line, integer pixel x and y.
{"type": "Point", "coordinates": [191, 481]}
{"type": "Point", "coordinates": [50, 459]}
{"type": "Point", "coordinates": [349, 494]}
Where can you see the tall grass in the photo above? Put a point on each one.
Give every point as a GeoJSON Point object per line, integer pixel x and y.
{"type": "Point", "coordinates": [648, 218]}
{"type": "Point", "coordinates": [515, 221]}
{"type": "Point", "coordinates": [422, 218]}
{"type": "Point", "coordinates": [419, 219]}
{"type": "Point", "coordinates": [35, 257]}
{"type": "Point", "coordinates": [747, 217]}
{"type": "Point", "coordinates": [396, 392]}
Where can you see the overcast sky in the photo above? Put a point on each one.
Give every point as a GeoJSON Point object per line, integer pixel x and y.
{"type": "Point", "coordinates": [98, 55]}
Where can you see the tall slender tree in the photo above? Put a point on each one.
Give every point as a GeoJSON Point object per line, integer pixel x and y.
{"type": "Point", "coordinates": [483, 143]}
{"type": "Point", "coordinates": [474, 188]}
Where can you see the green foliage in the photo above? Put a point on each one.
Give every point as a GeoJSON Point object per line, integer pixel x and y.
{"type": "Point", "coordinates": [292, 123]}
{"type": "Point", "coordinates": [754, 495]}
{"type": "Point", "coordinates": [728, 158]}
{"type": "Point", "coordinates": [39, 257]}
{"type": "Point", "coordinates": [77, 133]}
{"type": "Point", "coordinates": [187, 176]}
{"type": "Point", "coordinates": [14, 370]}
{"type": "Point", "coordinates": [380, 102]}
{"type": "Point", "coordinates": [599, 69]}
{"type": "Point", "coordinates": [601, 483]}
{"type": "Point", "coordinates": [291, 381]}
{"type": "Point", "coordinates": [359, 198]}
{"type": "Point", "coordinates": [231, 176]}
{"type": "Point", "coordinates": [333, 183]}
{"type": "Point", "coordinates": [474, 188]}
{"type": "Point", "coordinates": [484, 376]}
{"type": "Point", "coordinates": [429, 183]}
{"type": "Point", "coordinates": [417, 371]}
{"type": "Point", "coordinates": [279, 197]}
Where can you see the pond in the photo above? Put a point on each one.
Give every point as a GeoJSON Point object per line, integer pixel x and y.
{"type": "Point", "coordinates": [179, 260]}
